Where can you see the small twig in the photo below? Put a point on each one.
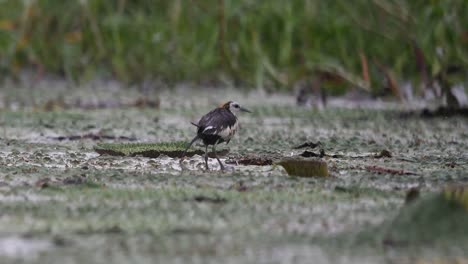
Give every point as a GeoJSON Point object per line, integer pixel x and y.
{"type": "Point", "coordinates": [364, 68]}
{"type": "Point", "coordinates": [389, 170]}
{"type": "Point", "coordinates": [392, 82]}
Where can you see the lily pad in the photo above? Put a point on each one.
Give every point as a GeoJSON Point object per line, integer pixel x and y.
{"type": "Point", "coordinates": [441, 216]}
{"type": "Point", "coordinates": [153, 150]}
{"type": "Point", "coordinates": [458, 195]}
{"type": "Point", "coordinates": [305, 167]}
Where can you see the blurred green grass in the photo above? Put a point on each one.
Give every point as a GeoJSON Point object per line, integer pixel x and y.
{"type": "Point", "coordinates": [255, 43]}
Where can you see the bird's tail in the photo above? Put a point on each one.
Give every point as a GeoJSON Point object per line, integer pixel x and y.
{"type": "Point", "coordinates": [189, 145]}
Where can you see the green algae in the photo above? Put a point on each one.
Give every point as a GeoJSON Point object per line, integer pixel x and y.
{"type": "Point", "coordinates": [152, 150]}
{"type": "Point", "coordinates": [143, 149]}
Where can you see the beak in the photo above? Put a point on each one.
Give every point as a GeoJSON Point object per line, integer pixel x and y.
{"type": "Point", "coordinates": [245, 110]}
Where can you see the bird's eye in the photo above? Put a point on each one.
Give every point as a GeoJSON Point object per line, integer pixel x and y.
{"type": "Point", "coordinates": [236, 106]}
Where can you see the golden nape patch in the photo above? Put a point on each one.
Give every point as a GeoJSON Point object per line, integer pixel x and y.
{"type": "Point", "coordinates": [225, 104]}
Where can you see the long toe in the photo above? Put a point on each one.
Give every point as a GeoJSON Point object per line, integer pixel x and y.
{"type": "Point", "coordinates": [228, 168]}
{"type": "Point", "coordinates": [222, 166]}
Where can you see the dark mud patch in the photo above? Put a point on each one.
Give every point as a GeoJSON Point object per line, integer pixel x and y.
{"type": "Point", "coordinates": [321, 153]}
{"type": "Point", "coordinates": [93, 136]}
{"type": "Point", "coordinates": [208, 199]}
{"type": "Point", "coordinates": [412, 195]}
{"type": "Point", "coordinates": [445, 112]}
{"type": "Point", "coordinates": [189, 231]}
{"type": "Point", "coordinates": [103, 231]}
{"type": "Point", "coordinates": [441, 112]}
{"type": "Point", "coordinates": [384, 170]}
{"type": "Point", "coordinates": [80, 180]}
{"type": "Point", "coordinates": [383, 154]}
{"type": "Point", "coordinates": [311, 145]}
{"type": "Point", "coordinates": [251, 161]}
{"type": "Point", "coordinates": [152, 150]}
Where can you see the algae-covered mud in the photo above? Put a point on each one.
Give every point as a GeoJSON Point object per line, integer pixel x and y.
{"type": "Point", "coordinates": [62, 202]}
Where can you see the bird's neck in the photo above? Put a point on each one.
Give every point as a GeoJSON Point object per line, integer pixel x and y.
{"type": "Point", "coordinates": [232, 112]}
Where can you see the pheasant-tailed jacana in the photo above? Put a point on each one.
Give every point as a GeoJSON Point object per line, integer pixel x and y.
{"type": "Point", "coordinates": [218, 126]}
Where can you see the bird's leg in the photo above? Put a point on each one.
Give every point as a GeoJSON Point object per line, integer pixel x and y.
{"type": "Point", "coordinates": [189, 145]}
{"type": "Point", "coordinates": [216, 156]}
{"type": "Point", "coordinates": [206, 157]}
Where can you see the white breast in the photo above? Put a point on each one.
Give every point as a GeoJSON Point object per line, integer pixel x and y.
{"type": "Point", "coordinates": [228, 132]}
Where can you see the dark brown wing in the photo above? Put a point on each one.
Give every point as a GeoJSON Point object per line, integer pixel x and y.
{"type": "Point", "coordinates": [215, 121]}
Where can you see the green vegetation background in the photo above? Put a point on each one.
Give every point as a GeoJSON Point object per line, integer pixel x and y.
{"type": "Point", "coordinates": [255, 43]}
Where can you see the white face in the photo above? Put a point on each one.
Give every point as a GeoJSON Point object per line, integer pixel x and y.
{"type": "Point", "coordinates": [234, 107]}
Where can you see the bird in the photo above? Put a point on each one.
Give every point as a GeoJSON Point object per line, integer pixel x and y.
{"type": "Point", "coordinates": [217, 126]}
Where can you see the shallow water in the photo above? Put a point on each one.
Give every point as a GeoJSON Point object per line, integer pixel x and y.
{"type": "Point", "coordinates": [63, 203]}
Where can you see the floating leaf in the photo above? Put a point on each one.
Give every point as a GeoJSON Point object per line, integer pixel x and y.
{"type": "Point", "coordinates": [305, 167]}
{"type": "Point", "coordinates": [435, 217]}
{"type": "Point", "coordinates": [458, 195]}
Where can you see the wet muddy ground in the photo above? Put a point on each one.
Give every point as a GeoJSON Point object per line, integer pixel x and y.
{"type": "Point", "coordinates": [61, 202]}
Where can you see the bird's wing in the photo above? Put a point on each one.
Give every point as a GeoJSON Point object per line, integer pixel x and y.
{"type": "Point", "coordinates": [216, 121]}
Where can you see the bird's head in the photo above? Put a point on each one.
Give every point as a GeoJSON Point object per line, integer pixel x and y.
{"type": "Point", "coordinates": [234, 107]}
